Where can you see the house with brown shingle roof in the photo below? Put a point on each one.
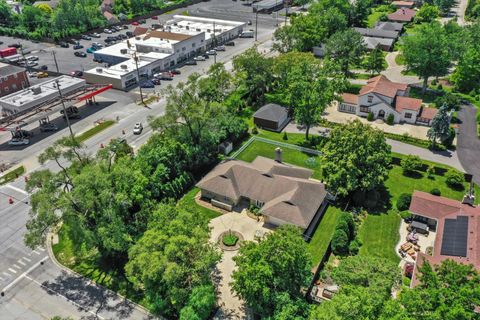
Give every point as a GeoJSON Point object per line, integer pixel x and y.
{"type": "Point", "coordinates": [284, 194]}
{"type": "Point", "coordinates": [382, 97]}
{"type": "Point", "coordinates": [403, 15]}
{"type": "Point", "coordinates": [457, 227]}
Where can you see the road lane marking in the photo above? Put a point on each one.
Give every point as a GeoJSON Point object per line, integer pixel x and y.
{"type": "Point", "coordinates": [11, 270]}
{"type": "Point", "coordinates": [11, 284]}
{"type": "Point", "coordinates": [34, 251]}
{"type": "Point", "coordinates": [21, 262]}
{"type": "Point", "coordinates": [65, 297]}
{"type": "Point", "coordinates": [25, 258]}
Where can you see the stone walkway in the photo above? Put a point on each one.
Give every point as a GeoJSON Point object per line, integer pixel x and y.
{"type": "Point", "coordinates": [394, 71]}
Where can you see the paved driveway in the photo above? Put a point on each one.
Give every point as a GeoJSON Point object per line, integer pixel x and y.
{"type": "Point", "coordinates": [468, 144]}
{"type": "Point", "coordinates": [231, 307]}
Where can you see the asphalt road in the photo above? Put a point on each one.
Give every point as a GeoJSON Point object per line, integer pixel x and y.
{"type": "Point", "coordinates": [468, 143]}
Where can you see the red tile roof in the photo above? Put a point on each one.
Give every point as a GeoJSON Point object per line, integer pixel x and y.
{"type": "Point", "coordinates": [428, 113]}
{"type": "Point", "coordinates": [383, 86]}
{"type": "Point", "coordinates": [441, 208]}
{"type": "Point", "coordinates": [408, 4]}
{"type": "Point", "coordinates": [406, 103]}
{"type": "Point", "coordinates": [350, 98]}
{"type": "Point", "coordinates": [403, 15]}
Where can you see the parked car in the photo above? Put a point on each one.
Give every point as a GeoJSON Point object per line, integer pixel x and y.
{"type": "Point", "coordinates": [129, 34]}
{"type": "Point", "coordinates": [32, 58]}
{"type": "Point", "coordinates": [32, 74]}
{"type": "Point", "coordinates": [86, 37]}
{"type": "Point", "coordinates": [48, 126]}
{"type": "Point", "coordinates": [44, 67]}
{"type": "Point", "coordinates": [191, 63]}
{"type": "Point", "coordinates": [107, 31]}
{"type": "Point", "coordinates": [155, 18]}
{"type": "Point", "coordinates": [42, 75]}
{"type": "Point", "coordinates": [97, 45]}
{"type": "Point", "coordinates": [97, 60]}
{"type": "Point", "coordinates": [142, 21]}
{"type": "Point", "coordinates": [122, 36]}
{"type": "Point", "coordinates": [80, 54]}
{"type": "Point", "coordinates": [18, 142]}
{"type": "Point", "coordinates": [206, 56]}
{"type": "Point", "coordinates": [72, 41]}
{"type": "Point", "coordinates": [138, 128]}
{"type": "Point", "coordinates": [147, 84]}
{"type": "Point", "coordinates": [15, 45]}
{"type": "Point", "coordinates": [91, 50]}
{"type": "Point", "coordinates": [175, 71]}
{"type": "Point", "coordinates": [211, 52]}
{"type": "Point", "coordinates": [164, 76]}
{"type": "Point", "coordinates": [63, 44]}
{"type": "Point", "coordinates": [230, 43]}
{"type": "Point", "coordinates": [220, 48]}
{"type": "Point", "coordinates": [76, 73]}
{"type": "Point", "coordinates": [95, 35]}
{"type": "Point", "coordinates": [77, 46]}
{"type": "Point", "coordinates": [199, 58]}
{"type": "Point", "coordinates": [249, 22]}
{"type": "Point", "coordinates": [125, 26]}
{"type": "Point", "coordinates": [156, 25]}
{"type": "Point", "coordinates": [156, 81]}
{"type": "Point", "coordinates": [116, 28]}
{"type": "Point", "coordinates": [135, 23]}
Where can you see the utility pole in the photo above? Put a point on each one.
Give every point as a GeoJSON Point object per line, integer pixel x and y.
{"type": "Point", "coordinates": [64, 110]}
{"type": "Point", "coordinates": [286, 11]}
{"type": "Point", "coordinates": [276, 13]}
{"type": "Point", "coordinates": [135, 58]}
{"type": "Point", "coordinates": [256, 24]}
{"type": "Point", "coordinates": [55, 59]}
{"type": "Point", "coordinates": [214, 44]}
{"type": "Point", "coordinates": [24, 59]}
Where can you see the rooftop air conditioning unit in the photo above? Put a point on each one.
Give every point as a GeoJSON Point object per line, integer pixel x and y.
{"type": "Point", "coordinates": [187, 27]}
{"type": "Point", "coordinates": [137, 38]}
{"type": "Point", "coordinates": [123, 66]}
{"type": "Point", "coordinates": [99, 70]}
{"type": "Point", "coordinates": [123, 51]}
{"type": "Point", "coordinates": [174, 23]}
{"type": "Point", "coordinates": [37, 90]}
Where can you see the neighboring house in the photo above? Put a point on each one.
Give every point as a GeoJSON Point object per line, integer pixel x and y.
{"type": "Point", "coordinates": [457, 227]}
{"type": "Point", "coordinates": [402, 15]}
{"type": "Point", "coordinates": [271, 117]}
{"type": "Point", "coordinates": [389, 26]}
{"type": "Point", "coordinates": [12, 79]}
{"type": "Point", "coordinates": [284, 193]}
{"type": "Point", "coordinates": [110, 17]}
{"type": "Point", "coordinates": [380, 36]}
{"type": "Point", "coordinates": [383, 97]}
{"type": "Point", "coordinates": [403, 4]}
{"type": "Point", "coordinates": [377, 33]}
{"type": "Point", "coordinates": [372, 43]}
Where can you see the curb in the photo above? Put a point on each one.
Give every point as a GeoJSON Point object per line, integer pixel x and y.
{"type": "Point", "coordinates": [90, 281]}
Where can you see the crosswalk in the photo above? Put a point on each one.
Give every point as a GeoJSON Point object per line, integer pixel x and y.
{"type": "Point", "coordinates": [14, 270]}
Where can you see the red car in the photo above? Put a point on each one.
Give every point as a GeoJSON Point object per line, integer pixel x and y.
{"type": "Point", "coordinates": [135, 23]}
{"type": "Point", "coordinates": [155, 18]}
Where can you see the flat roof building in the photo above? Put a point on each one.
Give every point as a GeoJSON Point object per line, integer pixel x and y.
{"type": "Point", "coordinates": [267, 6]}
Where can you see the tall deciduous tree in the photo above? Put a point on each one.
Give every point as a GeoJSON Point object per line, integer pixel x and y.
{"type": "Point", "coordinates": [355, 157]}
{"type": "Point", "coordinates": [345, 48]}
{"type": "Point", "coordinates": [427, 13]}
{"type": "Point", "coordinates": [276, 268]}
{"type": "Point", "coordinates": [375, 61]}
{"type": "Point", "coordinates": [427, 52]}
{"type": "Point", "coordinates": [171, 260]}
{"type": "Point", "coordinates": [467, 74]}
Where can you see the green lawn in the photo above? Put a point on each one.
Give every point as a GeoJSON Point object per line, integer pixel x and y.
{"type": "Point", "coordinates": [321, 238]}
{"type": "Point", "coordinates": [258, 148]}
{"type": "Point", "coordinates": [93, 131]}
{"type": "Point", "coordinates": [379, 232]}
{"type": "Point", "coordinates": [188, 202]}
{"type": "Point", "coordinates": [373, 18]}
{"type": "Point", "coordinates": [12, 175]}
{"type": "Point", "coordinates": [90, 266]}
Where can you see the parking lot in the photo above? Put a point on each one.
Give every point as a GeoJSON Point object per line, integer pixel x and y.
{"type": "Point", "coordinates": [68, 62]}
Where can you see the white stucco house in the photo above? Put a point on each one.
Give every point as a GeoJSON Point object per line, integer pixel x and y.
{"type": "Point", "coordinates": [383, 97]}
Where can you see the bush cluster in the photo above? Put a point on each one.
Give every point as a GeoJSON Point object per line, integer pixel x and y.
{"type": "Point", "coordinates": [403, 202]}
{"type": "Point", "coordinates": [343, 235]}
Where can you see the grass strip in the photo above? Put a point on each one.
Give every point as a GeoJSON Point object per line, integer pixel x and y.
{"type": "Point", "coordinates": [93, 131]}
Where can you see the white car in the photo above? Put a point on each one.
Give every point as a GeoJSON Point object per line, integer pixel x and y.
{"type": "Point", "coordinates": [199, 58]}
{"type": "Point", "coordinates": [107, 31]}
{"type": "Point", "coordinates": [18, 142]}
{"type": "Point", "coordinates": [32, 58]}
{"type": "Point", "coordinates": [95, 35]}
{"type": "Point", "coordinates": [138, 128]}
{"type": "Point", "coordinates": [220, 48]}
{"type": "Point", "coordinates": [211, 52]}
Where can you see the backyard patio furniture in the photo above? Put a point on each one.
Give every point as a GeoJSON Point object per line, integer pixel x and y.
{"type": "Point", "coordinates": [419, 226]}
{"type": "Point", "coordinates": [406, 246]}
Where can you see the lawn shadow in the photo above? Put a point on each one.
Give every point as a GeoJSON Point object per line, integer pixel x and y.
{"type": "Point", "coordinates": [413, 174]}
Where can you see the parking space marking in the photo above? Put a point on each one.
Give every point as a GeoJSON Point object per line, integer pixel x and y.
{"type": "Point", "coordinates": [17, 189]}
{"type": "Point", "coordinates": [18, 267]}
{"type": "Point", "coordinates": [26, 259]}
{"type": "Point", "coordinates": [6, 274]}
{"type": "Point", "coordinates": [11, 270]}
{"type": "Point", "coordinates": [34, 251]}
{"type": "Point", "coordinates": [21, 262]}
{"type": "Point", "coordinates": [41, 249]}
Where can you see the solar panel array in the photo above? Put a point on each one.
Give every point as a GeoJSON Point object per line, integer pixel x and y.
{"type": "Point", "coordinates": [455, 236]}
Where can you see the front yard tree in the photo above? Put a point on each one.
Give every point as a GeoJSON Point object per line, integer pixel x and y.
{"type": "Point", "coordinates": [467, 74]}
{"type": "Point", "coordinates": [427, 13]}
{"type": "Point", "coordinates": [375, 61]}
{"type": "Point", "coordinates": [276, 268]}
{"type": "Point", "coordinates": [345, 48]}
{"type": "Point", "coordinates": [444, 5]}
{"type": "Point", "coordinates": [173, 262]}
{"type": "Point", "coordinates": [440, 129]}
{"type": "Point", "coordinates": [355, 157]}
{"type": "Point", "coordinates": [427, 52]}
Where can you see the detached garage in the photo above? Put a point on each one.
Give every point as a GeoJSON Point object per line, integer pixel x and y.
{"type": "Point", "coordinates": [271, 117]}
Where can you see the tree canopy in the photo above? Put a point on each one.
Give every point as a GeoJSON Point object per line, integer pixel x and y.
{"type": "Point", "coordinates": [345, 48]}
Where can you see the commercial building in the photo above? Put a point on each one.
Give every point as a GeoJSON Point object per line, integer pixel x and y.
{"type": "Point", "coordinates": [178, 40]}
{"type": "Point", "coordinates": [12, 79]}
{"type": "Point", "coordinates": [267, 6]}
{"type": "Point", "coordinates": [26, 99]}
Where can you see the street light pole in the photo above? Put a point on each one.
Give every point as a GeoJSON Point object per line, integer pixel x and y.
{"type": "Point", "coordinates": [55, 59]}
{"type": "Point", "coordinates": [64, 110]}
{"type": "Point", "coordinates": [256, 24]}
{"type": "Point", "coordinates": [135, 58]}
{"type": "Point", "coordinates": [286, 11]}
{"type": "Point", "coordinates": [214, 44]}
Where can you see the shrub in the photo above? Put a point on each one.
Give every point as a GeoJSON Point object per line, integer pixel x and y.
{"type": "Point", "coordinates": [436, 192]}
{"type": "Point", "coordinates": [403, 202]}
{"type": "Point", "coordinates": [454, 179]}
{"type": "Point", "coordinates": [342, 225]}
{"type": "Point", "coordinates": [430, 171]}
{"type": "Point", "coordinates": [354, 247]}
{"type": "Point", "coordinates": [410, 164]}
{"type": "Point", "coordinates": [285, 137]}
{"type": "Point", "coordinates": [370, 116]}
{"type": "Point", "coordinates": [406, 281]}
{"type": "Point", "coordinates": [390, 119]}
{"type": "Point", "coordinates": [434, 82]}
{"type": "Point", "coordinates": [230, 240]}
{"type": "Point", "coordinates": [405, 215]}
{"type": "Point", "coordinates": [347, 219]}
{"type": "Point", "coordinates": [440, 87]}
{"type": "Point", "coordinates": [255, 130]}
{"type": "Point", "coordinates": [340, 242]}
{"type": "Point", "coordinates": [449, 140]}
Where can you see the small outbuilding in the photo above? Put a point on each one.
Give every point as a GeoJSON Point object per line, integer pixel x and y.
{"type": "Point", "coordinates": [271, 117]}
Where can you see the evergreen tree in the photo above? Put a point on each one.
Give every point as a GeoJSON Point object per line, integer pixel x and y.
{"type": "Point", "coordinates": [440, 125]}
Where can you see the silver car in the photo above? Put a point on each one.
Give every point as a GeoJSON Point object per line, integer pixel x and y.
{"type": "Point", "coordinates": [138, 128]}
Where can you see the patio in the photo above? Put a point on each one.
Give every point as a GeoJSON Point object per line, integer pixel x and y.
{"type": "Point", "coordinates": [231, 307]}
{"type": "Point", "coordinates": [424, 241]}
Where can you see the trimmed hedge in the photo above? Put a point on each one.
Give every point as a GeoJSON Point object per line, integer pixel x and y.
{"type": "Point", "coordinates": [403, 202]}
